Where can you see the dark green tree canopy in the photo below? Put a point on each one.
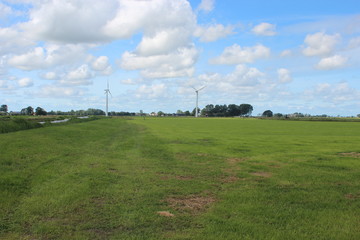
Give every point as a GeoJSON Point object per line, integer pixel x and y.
{"type": "Point", "coordinates": [4, 108]}
{"type": "Point", "coordinates": [245, 109]}
{"type": "Point", "coordinates": [40, 111]}
{"type": "Point", "coordinates": [267, 113]}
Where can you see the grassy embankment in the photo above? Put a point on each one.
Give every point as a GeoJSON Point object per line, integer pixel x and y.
{"type": "Point", "coordinates": [219, 178]}
{"type": "Point", "coordinates": [18, 123]}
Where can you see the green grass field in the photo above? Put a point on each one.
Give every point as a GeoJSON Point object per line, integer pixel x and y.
{"type": "Point", "coordinates": [181, 178]}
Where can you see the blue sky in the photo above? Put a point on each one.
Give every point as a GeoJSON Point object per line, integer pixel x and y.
{"type": "Point", "coordinates": [286, 56]}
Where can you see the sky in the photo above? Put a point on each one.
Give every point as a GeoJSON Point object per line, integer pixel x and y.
{"type": "Point", "coordinates": [284, 56]}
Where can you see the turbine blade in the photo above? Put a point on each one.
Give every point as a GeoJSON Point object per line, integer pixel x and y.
{"type": "Point", "coordinates": [201, 88]}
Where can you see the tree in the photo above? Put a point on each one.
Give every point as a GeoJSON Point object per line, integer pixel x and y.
{"type": "Point", "coordinates": [233, 110]}
{"type": "Point", "coordinates": [187, 113]}
{"type": "Point", "coordinates": [27, 111]}
{"type": "Point", "coordinates": [4, 108]}
{"type": "Point", "coordinates": [208, 110]}
{"type": "Point", "coordinates": [267, 113]}
{"type": "Point", "coordinates": [193, 111]}
{"type": "Point", "coordinates": [245, 109]}
{"type": "Point", "coordinates": [160, 113]}
{"type": "Point", "coordinates": [40, 111]}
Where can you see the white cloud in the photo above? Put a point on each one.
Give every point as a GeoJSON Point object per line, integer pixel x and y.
{"type": "Point", "coordinates": [242, 78]}
{"type": "Point", "coordinates": [235, 54]}
{"type": "Point", "coordinates": [77, 21]}
{"type": "Point", "coordinates": [206, 5]}
{"type": "Point", "coordinates": [213, 32]}
{"type": "Point", "coordinates": [264, 29]}
{"type": "Point", "coordinates": [335, 93]}
{"type": "Point", "coordinates": [152, 91]}
{"type": "Point", "coordinates": [163, 42]}
{"type": "Point", "coordinates": [13, 41]}
{"type": "Point", "coordinates": [286, 53]}
{"type": "Point", "coordinates": [4, 10]}
{"type": "Point", "coordinates": [100, 63]}
{"type": "Point", "coordinates": [48, 56]}
{"type": "Point", "coordinates": [176, 64]}
{"type": "Point", "coordinates": [284, 75]}
{"type": "Point", "coordinates": [333, 62]}
{"type": "Point", "coordinates": [53, 91]}
{"type": "Point", "coordinates": [50, 76]}
{"type": "Point", "coordinates": [79, 76]}
{"type": "Point", "coordinates": [149, 16]}
{"type": "Point", "coordinates": [25, 82]}
{"type": "Point", "coordinates": [320, 44]}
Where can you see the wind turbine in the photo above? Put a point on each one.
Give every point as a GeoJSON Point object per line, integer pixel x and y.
{"type": "Point", "coordinates": [107, 92]}
{"type": "Point", "coordinates": [197, 99]}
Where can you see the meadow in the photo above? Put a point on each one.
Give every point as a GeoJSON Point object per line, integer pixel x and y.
{"type": "Point", "coordinates": [181, 178]}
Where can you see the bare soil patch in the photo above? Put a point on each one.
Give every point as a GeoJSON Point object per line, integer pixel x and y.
{"type": "Point", "coordinates": [352, 196]}
{"type": "Point", "coordinates": [235, 160]}
{"type": "Point", "coordinates": [178, 177]}
{"type": "Point", "coordinates": [350, 154]}
{"type": "Point", "coordinates": [165, 214]}
{"type": "Point", "coordinates": [262, 174]}
{"type": "Point", "coordinates": [113, 170]}
{"type": "Point", "coordinates": [192, 203]}
{"type": "Point", "coordinates": [229, 179]}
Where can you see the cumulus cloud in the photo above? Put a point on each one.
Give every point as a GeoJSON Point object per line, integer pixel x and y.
{"type": "Point", "coordinates": [50, 76]}
{"type": "Point", "coordinates": [264, 29]}
{"type": "Point", "coordinates": [100, 63]}
{"type": "Point", "coordinates": [150, 17]}
{"type": "Point", "coordinates": [320, 44]}
{"type": "Point", "coordinates": [4, 10]}
{"type": "Point", "coordinates": [335, 93]}
{"type": "Point", "coordinates": [242, 77]}
{"type": "Point", "coordinates": [54, 91]}
{"type": "Point", "coordinates": [25, 82]}
{"type": "Point", "coordinates": [13, 41]}
{"type": "Point", "coordinates": [333, 62]}
{"type": "Point", "coordinates": [213, 32]}
{"type": "Point", "coordinates": [163, 41]}
{"type": "Point", "coordinates": [79, 76]}
{"type": "Point", "coordinates": [152, 91]}
{"type": "Point", "coordinates": [284, 75]}
{"type": "Point", "coordinates": [206, 5]}
{"type": "Point", "coordinates": [48, 56]}
{"type": "Point", "coordinates": [286, 53]}
{"type": "Point", "coordinates": [175, 64]}
{"type": "Point", "coordinates": [70, 21]}
{"type": "Point", "coordinates": [236, 54]}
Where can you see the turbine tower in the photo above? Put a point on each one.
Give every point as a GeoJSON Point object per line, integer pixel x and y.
{"type": "Point", "coordinates": [197, 99]}
{"type": "Point", "coordinates": [107, 92]}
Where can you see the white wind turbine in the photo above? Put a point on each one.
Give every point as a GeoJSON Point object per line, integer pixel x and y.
{"type": "Point", "coordinates": [197, 99]}
{"type": "Point", "coordinates": [107, 92]}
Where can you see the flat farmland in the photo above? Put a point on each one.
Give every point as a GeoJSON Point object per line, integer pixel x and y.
{"type": "Point", "coordinates": [182, 178]}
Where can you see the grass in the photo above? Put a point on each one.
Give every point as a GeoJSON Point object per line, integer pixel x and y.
{"type": "Point", "coordinates": [18, 123]}
{"type": "Point", "coordinates": [219, 178]}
